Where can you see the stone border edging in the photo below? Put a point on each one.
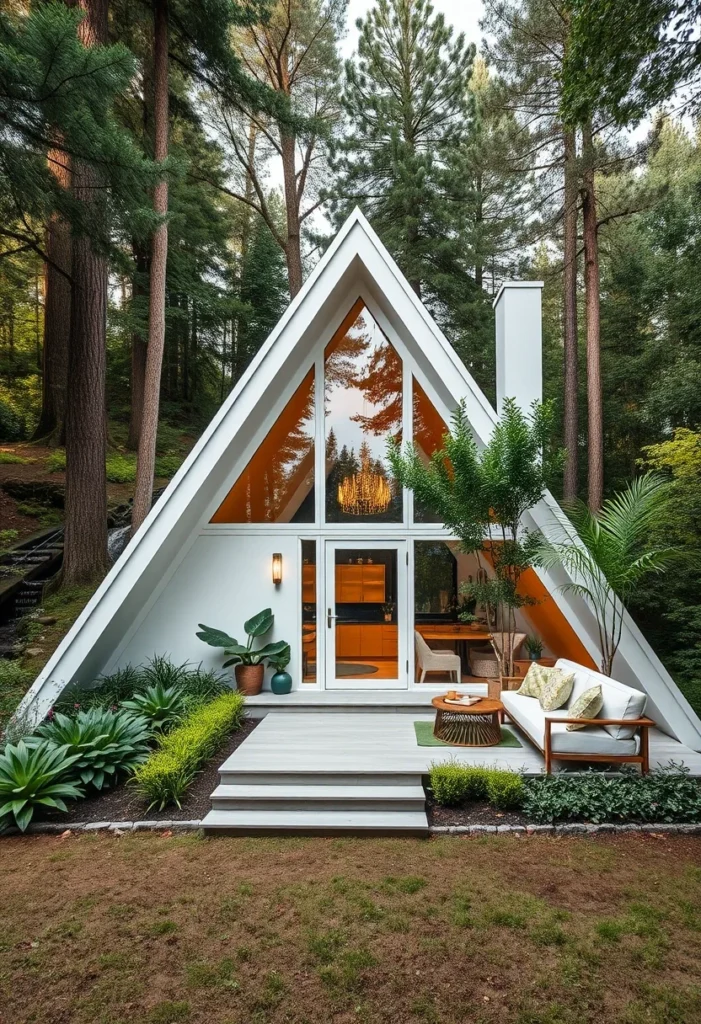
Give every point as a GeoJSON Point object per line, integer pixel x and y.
{"type": "Point", "coordinates": [573, 828]}
{"type": "Point", "coordinates": [567, 829]}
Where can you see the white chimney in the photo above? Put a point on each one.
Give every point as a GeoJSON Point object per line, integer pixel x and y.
{"type": "Point", "coordinates": [519, 331]}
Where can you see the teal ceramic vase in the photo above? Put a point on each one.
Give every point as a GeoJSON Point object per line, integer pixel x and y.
{"type": "Point", "coordinates": [281, 682]}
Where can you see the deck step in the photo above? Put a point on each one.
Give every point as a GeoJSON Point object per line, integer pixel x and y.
{"type": "Point", "coordinates": [315, 822]}
{"type": "Point", "coordinates": [317, 797]}
{"type": "Point", "coordinates": [230, 776]}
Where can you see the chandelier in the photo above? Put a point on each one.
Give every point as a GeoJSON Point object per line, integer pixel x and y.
{"type": "Point", "coordinates": [365, 493]}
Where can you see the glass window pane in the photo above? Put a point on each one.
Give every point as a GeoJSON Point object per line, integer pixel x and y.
{"type": "Point", "coordinates": [277, 485]}
{"type": "Point", "coordinates": [367, 634]}
{"type": "Point", "coordinates": [429, 428]}
{"type": "Point", "coordinates": [363, 408]}
{"type": "Point", "coordinates": [442, 615]}
{"type": "Point", "coordinates": [309, 611]}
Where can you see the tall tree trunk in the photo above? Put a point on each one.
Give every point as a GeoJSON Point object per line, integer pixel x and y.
{"type": "Point", "coordinates": [293, 248]}
{"type": "Point", "coordinates": [57, 313]}
{"type": "Point", "coordinates": [159, 255]}
{"type": "Point", "coordinates": [571, 426]}
{"type": "Point", "coordinates": [138, 351]}
{"type": "Point", "coordinates": [591, 284]}
{"type": "Point", "coordinates": [85, 541]}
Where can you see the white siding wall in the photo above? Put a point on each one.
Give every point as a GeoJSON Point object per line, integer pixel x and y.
{"type": "Point", "coordinates": [222, 581]}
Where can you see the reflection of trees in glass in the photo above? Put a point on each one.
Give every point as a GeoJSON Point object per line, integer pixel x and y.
{"type": "Point", "coordinates": [281, 470]}
{"type": "Point", "coordinates": [434, 577]}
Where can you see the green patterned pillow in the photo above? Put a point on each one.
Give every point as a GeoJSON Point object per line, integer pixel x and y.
{"type": "Point", "coordinates": [587, 705]}
{"type": "Point", "coordinates": [557, 690]}
{"type": "Point", "coordinates": [536, 678]}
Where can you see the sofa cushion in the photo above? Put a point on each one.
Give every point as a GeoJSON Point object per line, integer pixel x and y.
{"type": "Point", "coordinates": [527, 713]}
{"type": "Point", "coordinates": [587, 705]}
{"type": "Point", "coordinates": [620, 701]}
{"type": "Point", "coordinates": [536, 678]}
{"type": "Point", "coordinates": [557, 689]}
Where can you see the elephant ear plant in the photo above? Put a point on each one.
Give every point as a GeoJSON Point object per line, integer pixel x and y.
{"type": "Point", "coordinates": [246, 657]}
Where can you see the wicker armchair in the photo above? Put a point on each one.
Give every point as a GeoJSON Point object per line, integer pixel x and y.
{"type": "Point", "coordinates": [428, 660]}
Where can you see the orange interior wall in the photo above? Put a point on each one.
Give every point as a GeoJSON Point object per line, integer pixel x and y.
{"type": "Point", "coordinates": [549, 622]}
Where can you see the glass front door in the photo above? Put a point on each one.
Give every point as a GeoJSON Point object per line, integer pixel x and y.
{"type": "Point", "coordinates": [365, 615]}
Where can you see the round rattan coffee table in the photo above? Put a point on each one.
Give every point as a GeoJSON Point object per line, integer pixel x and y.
{"type": "Point", "coordinates": [468, 725]}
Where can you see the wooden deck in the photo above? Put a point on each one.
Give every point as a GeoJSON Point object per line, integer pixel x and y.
{"type": "Point", "coordinates": [365, 744]}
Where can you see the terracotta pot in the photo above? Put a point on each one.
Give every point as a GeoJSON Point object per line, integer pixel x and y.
{"type": "Point", "coordinates": [249, 679]}
{"type": "Point", "coordinates": [476, 626]}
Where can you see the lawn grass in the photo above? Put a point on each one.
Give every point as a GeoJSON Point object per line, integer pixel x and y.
{"type": "Point", "coordinates": [165, 928]}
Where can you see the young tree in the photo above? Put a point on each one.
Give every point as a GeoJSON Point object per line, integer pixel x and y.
{"type": "Point", "coordinates": [407, 108]}
{"type": "Point", "coordinates": [293, 52]}
{"type": "Point", "coordinates": [157, 282]}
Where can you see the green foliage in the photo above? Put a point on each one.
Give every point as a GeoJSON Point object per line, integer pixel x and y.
{"type": "Point", "coordinates": [56, 461]}
{"type": "Point", "coordinates": [610, 554]}
{"type": "Point", "coordinates": [14, 680]}
{"type": "Point", "coordinates": [625, 58]}
{"type": "Point", "coordinates": [454, 783]}
{"type": "Point", "coordinates": [257, 626]}
{"type": "Point", "coordinates": [162, 706]}
{"type": "Point", "coordinates": [7, 539]}
{"type": "Point", "coordinates": [34, 777]}
{"type": "Point", "coordinates": [120, 469]}
{"type": "Point", "coordinates": [168, 465]}
{"type": "Point", "coordinates": [534, 645]}
{"type": "Point", "coordinates": [484, 493]}
{"type": "Point", "coordinates": [13, 459]}
{"type": "Point", "coordinates": [108, 693]}
{"type": "Point", "coordinates": [666, 795]}
{"type": "Point", "coordinates": [165, 776]}
{"type": "Point", "coordinates": [107, 744]}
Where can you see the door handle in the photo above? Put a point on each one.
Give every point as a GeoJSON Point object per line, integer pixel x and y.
{"type": "Point", "coordinates": [330, 617]}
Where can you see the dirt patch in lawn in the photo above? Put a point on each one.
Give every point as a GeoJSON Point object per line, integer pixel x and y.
{"type": "Point", "coordinates": [495, 930]}
{"type": "Point", "coordinates": [477, 812]}
{"type": "Point", "coordinates": [123, 803]}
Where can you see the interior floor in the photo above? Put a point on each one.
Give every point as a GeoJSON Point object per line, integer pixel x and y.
{"type": "Point", "coordinates": [386, 668]}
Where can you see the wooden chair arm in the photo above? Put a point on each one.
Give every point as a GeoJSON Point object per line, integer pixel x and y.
{"type": "Point", "coordinates": [643, 723]}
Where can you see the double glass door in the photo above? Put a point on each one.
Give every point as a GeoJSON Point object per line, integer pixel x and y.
{"type": "Point", "coordinates": [365, 615]}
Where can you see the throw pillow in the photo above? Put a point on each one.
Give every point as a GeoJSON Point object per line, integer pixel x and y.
{"type": "Point", "coordinates": [557, 690]}
{"type": "Point", "coordinates": [587, 705]}
{"type": "Point", "coordinates": [536, 678]}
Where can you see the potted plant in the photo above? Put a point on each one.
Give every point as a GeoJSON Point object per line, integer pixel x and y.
{"type": "Point", "coordinates": [281, 681]}
{"type": "Point", "coordinates": [534, 646]}
{"type": "Point", "coordinates": [388, 609]}
{"type": "Point", "coordinates": [250, 663]}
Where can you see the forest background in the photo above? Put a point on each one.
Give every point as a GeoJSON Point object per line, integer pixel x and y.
{"type": "Point", "coordinates": [170, 173]}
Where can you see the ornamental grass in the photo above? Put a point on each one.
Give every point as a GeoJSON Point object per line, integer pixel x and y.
{"type": "Point", "coordinates": [166, 775]}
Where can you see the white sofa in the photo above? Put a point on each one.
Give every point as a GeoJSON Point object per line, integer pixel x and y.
{"type": "Point", "coordinates": [620, 732]}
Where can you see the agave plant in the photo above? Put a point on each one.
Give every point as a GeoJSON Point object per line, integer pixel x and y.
{"type": "Point", "coordinates": [161, 705]}
{"type": "Point", "coordinates": [257, 626]}
{"type": "Point", "coordinates": [35, 776]}
{"type": "Point", "coordinates": [105, 743]}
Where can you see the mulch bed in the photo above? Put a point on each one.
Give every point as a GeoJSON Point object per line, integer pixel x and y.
{"type": "Point", "coordinates": [476, 812]}
{"type": "Point", "coordinates": [123, 804]}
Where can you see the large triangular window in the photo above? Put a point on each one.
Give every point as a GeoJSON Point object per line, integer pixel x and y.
{"type": "Point", "coordinates": [277, 485]}
{"type": "Point", "coordinates": [362, 409]}
{"type": "Point", "coordinates": [429, 429]}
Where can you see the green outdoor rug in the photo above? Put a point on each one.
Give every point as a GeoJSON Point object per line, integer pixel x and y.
{"type": "Point", "coordinates": [425, 738]}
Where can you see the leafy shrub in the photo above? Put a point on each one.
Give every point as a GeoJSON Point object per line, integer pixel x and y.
{"type": "Point", "coordinates": [504, 789]}
{"type": "Point", "coordinates": [109, 692]}
{"type": "Point", "coordinates": [14, 683]}
{"type": "Point", "coordinates": [12, 426]}
{"type": "Point", "coordinates": [46, 514]}
{"type": "Point", "coordinates": [454, 783]}
{"type": "Point", "coordinates": [196, 685]}
{"type": "Point", "coordinates": [170, 769]}
{"type": "Point", "coordinates": [32, 777]}
{"type": "Point", "coordinates": [56, 461]}
{"type": "Point", "coordinates": [161, 705]}
{"type": "Point", "coordinates": [106, 743]}
{"type": "Point", "coordinates": [120, 469]}
{"type": "Point", "coordinates": [666, 795]}
{"type": "Point", "coordinates": [12, 459]}
{"type": "Point", "coordinates": [168, 465]}
{"type": "Point", "coordinates": [7, 539]}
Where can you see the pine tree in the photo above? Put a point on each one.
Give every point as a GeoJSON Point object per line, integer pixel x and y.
{"type": "Point", "coordinates": [407, 110]}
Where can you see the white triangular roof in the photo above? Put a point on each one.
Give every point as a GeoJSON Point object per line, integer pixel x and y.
{"type": "Point", "coordinates": [355, 264]}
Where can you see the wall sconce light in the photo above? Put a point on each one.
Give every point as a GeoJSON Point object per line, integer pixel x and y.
{"type": "Point", "coordinates": [277, 568]}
